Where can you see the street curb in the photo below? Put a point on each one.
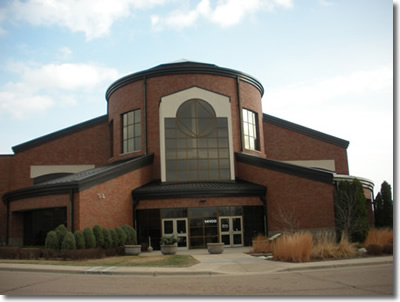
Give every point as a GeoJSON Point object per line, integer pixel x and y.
{"type": "Point", "coordinates": [158, 272]}
{"type": "Point", "coordinates": [337, 265]}
{"type": "Point", "coordinates": [110, 272]}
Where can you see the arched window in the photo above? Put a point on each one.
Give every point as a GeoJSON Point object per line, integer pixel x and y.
{"type": "Point", "coordinates": [196, 144]}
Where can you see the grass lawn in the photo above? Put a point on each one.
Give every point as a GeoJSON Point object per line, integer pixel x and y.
{"type": "Point", "coordinates": [150, 261]}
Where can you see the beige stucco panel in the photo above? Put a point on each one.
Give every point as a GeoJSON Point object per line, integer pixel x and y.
{"type": "Point", "coordinates": [328, 164]}
{"type": "Point", "coordinates": [37, 170]}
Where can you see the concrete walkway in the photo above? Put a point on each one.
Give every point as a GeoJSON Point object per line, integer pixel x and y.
{"type": "Point", "coordinates": [234, 261]}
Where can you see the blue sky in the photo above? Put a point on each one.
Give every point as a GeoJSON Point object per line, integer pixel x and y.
{"type": "Point", "coordinates": [324, 64]}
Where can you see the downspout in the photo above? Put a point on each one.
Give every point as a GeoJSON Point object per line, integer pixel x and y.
{"type": "Point", "coordinates": [134, 216]}
{"type": "Point", "coordinates": [145, 114]}
{"type": "Point", "coordinates": [240, 112]}
{"type": "Point", "coordinates": [264, 201]}
{"type": "Point", "coordinates": [71, 211]}
{"type": "Point", "coordinates": [7, 220]}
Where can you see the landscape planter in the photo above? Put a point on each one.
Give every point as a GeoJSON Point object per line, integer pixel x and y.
{"type": "Point", "coordinates": [215, 248]}
{"type": "Point", "coordinates": [169, 249]}
{"type": "Point", "coordinates": [133, 249]}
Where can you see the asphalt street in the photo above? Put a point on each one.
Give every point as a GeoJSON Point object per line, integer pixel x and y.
{"type": "Point", "coordinates": [375, 280]}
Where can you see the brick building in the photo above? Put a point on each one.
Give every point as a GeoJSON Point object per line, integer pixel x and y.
{"type": "Point", "coordinates": [184, 148]}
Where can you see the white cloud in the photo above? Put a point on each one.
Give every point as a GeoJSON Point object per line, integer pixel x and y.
{"type": "Point", "coordinates": [226, 13]}
{"type": "Point", "coordinates": [92, 17]}
{"type": "Point", "coordinates": [357, 107]}
{"type": "Point", "coordinates": [46, 86]}
{"type": "Point", "coordinates": [64, 53]}
{"type": "Point", "coordinates": [325, 2]}
{"type": "Point", "coordinates": [322, 90]}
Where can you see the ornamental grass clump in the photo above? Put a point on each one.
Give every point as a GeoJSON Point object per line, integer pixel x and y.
{"type": "Point", "coordinates": [324, 245]}
{"type": "Point", "coordinates": [294, 247]}
{"type": "Point", "coordinates": [261, 244]}
{"type": "Point", "coordinates": [345, 248]}
{"type": "Point", "coordinates": [379, 241]}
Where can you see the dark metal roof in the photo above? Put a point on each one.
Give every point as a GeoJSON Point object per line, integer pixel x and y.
{"type": "Point", "coordinates": [61, 133]}
{"type": "Point", "coordinates": [159, 190]}
{"type": "Point", "coordinates": [306, 131]}
{"type": "Point", "coordinates": [309, 173]}
{"type": "Point", "coordinates": [82, 180]}
{"type": "Point", "coordinates": [186, 67]}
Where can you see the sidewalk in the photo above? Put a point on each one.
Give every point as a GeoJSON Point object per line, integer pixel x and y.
{"type": "Point", "coordinates": [233, 261]}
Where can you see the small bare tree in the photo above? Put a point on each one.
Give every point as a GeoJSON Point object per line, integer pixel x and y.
{"type": "Point", "coordinates": [286, 217]}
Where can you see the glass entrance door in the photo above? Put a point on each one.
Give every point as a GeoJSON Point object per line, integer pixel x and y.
{"type": "Point", "coordinates": [231, 230]}
{"type": "Point", "coordinates": [177, 227]}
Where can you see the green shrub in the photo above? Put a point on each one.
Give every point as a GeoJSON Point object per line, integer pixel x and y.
{"type": "Point", "coordinates": [80, 240]}
{"type": "Point", "coordinates": [51, 240]}
{"type": "Point", "coordinates": [90, 240]}
{"type": "Point", "coordinates": [68, 242]}
{"type": "Point", "coordinates": [98, 234]}
{"type": "Point", "coordinates": [130, 234]}
{"type": "Point", "coordinates": [114, 237]}
{"type": "Point", "coordinates": [107, 238]}
{"type": "Point", "coordinates": [121, 235]}
{"type": "Point", "coordinates": [61, 231]}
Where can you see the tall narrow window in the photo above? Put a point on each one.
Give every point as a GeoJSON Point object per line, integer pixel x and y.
{"type": "Point", "coordinates": [250, 129]}
{"type": "Point", "coordinates": [131, 131]}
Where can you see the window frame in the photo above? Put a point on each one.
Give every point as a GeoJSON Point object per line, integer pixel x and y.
{"type": "Point", "coordinates": [125, 129]}
{"type": "Point", "coordinates": [252, 126]}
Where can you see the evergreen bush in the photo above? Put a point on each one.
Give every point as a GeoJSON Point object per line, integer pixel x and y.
{"type": "Point", "coordinates": [351, 213]}
{"type": "Point", "coordinates": [114, 237]}
{"type": "Point", "coordinates": [51, 240]}
{"type": "Point", "coordinates": [98, 234]}
{"type": "Point", "coordinates": [130, 234]}
{"type": "Point", "coordinates": [80, 240]}
{"type": "Point", "coordinates": [384, 207]}
{"type": "Point", "coordinates": [107, 238]}
{"type": "Point", "coordinates": [68, 242]}
{"type": "Point", "coordinates": [61, 231]}
{"type": "Point", "coordinates": [121, 235]}
{"type": "Point", "coordinates": [90, 240]}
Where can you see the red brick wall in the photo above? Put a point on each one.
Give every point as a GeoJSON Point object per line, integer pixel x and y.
{"type": "Point", "coordinates": [284, 144]}
{"type": "Point", "coordinates": [116, 208]}
{"type": "Point", "coordinates": [5, 173]}
{"type": "Point", "coordinates": [130, 97]}
{"type": "Point", "coordinates": [90, 146]}
{"type": "Point", "coordinates": [309, 202]}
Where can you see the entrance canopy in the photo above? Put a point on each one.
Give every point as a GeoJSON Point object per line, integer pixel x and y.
{"type": "Point", "coordinates": [159, 190]}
